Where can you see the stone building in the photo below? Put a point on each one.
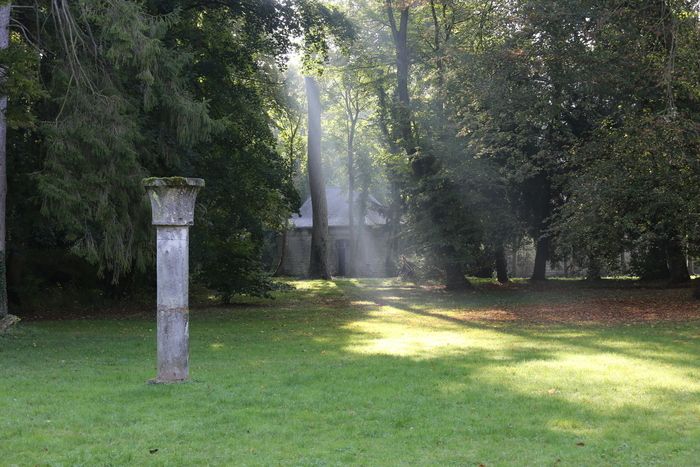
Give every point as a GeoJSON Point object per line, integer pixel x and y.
{"type": "Point", "coordinates": [372, 240]}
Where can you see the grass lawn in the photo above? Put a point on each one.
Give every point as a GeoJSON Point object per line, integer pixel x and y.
{"type": "Point", "coordinates": [370, 373]}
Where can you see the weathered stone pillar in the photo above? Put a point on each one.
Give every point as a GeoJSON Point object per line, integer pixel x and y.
{"type": "Point", "coordinates": [172, 206]}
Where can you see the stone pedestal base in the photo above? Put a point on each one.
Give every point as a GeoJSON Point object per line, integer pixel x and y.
{"type": "Point", "coordinates": [173, 345]}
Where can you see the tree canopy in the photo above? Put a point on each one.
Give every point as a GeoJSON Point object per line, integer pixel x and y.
{"type": "Point", "coordinates": [481, 125]}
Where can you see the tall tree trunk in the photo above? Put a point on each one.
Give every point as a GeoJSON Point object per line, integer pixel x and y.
{"type": "Point", "coordinates": [4, 43]}
{"type": "Point", "coordinates": [696, 291]}
{"type": "Point", "coordinates": [593, 273]}
{"type": "Point", "coordinates": [623, 263]}
{"type": "Point", "coordinates": [455, 278]}
{"type": "Point", "coordinates": [501, 264]}
{"type": "Point", "coordinates": [352, 256]}
{"type": "Point", "coordinates": [443, 27]}
{"type": "Point", "coordinates": [394, 226]}
{"type": "Point", "coordinates": [677, 262]}
{"type": "Point", "coordinates": [517, 242]}
{"type": "Point", "coordinates": [393, 214]}
{"type": "Point", "coordinates": [539, 272]}
{"type": "Point", "coordinates": [283, 253]}
{"type": "Point", "coordinates": [318, 262]}
{"type": "Point", "coordinates": [399, 34]}
{"type": "Point", "coordinates": [359, 251]}
{"type": "Point", "coordinates": [542, 199]}
{"type": "Point", "coordinates": [691, 266]}
{"type": "Point", "coordinates": [653, 265]}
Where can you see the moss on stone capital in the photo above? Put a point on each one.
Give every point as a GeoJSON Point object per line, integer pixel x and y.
{"type": "Point", "coordinates": [172, 182]}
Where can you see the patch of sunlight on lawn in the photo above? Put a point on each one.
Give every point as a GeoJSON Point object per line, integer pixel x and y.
{"type": "Point", "coordinates": [572, 426]}
{"type": "Point", "coordinates": [580, 367]}
{"type": "Point", "coordinates": [390, 331]}
{"type": "Point", "coordinates": [600, 380]}
{"type": "Point", "coordinates": [310, 285]}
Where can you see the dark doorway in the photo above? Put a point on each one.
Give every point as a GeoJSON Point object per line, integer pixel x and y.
{"type": "Point", "coordinates": [341, 247]}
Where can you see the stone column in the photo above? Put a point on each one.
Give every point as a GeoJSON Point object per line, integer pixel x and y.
{"type": "Point", "coordinates": [172, 206]}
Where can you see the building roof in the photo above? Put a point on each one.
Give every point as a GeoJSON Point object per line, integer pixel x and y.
{"type": "Point", "coordinates": [338, 210]}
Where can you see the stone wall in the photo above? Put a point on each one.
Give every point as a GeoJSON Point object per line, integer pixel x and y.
{"type": "Point", "coordinates": [371, 252]}
{"type": "Point", "coordinates": [297, 253]}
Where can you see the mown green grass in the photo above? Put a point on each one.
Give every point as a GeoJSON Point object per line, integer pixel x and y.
{"type": "Point", "coordinates": [355, 372]}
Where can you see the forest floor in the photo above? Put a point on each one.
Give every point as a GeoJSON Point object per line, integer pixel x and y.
{"type": "Point", "coordinates": [369, 372]}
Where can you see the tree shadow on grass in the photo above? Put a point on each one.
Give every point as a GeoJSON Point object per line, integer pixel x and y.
{"type": "Point", "coordinates": [638, 340]}
{"type": "Point", "coordinates": [471, 406]}
{"type": "Point", "coordinates": [309, 381]}
{"type": "Point", "coordinates": [320, 304]}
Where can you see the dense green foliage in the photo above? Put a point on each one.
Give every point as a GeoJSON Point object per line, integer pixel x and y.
{"type": "Point", "coordinates": [105, 93]}
{"type": "Point", "coordinates": [573, 124]}
{"type": "Point", "coordinates": [481, 126]}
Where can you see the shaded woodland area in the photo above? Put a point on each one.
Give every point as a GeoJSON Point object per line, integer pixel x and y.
{"type": "Point", "coordinates": [481, 126]}
{"type": "Point", "coordinates": [457, 154]}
